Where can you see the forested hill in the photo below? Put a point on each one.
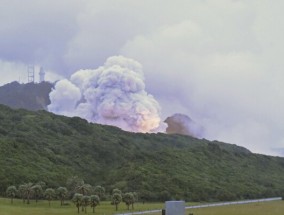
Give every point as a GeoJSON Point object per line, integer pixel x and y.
{"type": "Point", "coordinates": [30, 96]}
{"type": "Point", "coordinates": [40, 146]}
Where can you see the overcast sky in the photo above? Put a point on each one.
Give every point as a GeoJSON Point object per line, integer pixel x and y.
{"type": "Point", "coordinates": [218, 61]}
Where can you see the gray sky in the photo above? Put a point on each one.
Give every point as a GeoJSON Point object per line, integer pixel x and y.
{"type": "Point", "coordinates": [218, 61]}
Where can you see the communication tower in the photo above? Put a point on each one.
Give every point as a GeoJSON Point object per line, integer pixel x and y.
{"type": "Point", "coordinates": [31, 73]}
{"type": "Point", "coordinates": [41, 74]}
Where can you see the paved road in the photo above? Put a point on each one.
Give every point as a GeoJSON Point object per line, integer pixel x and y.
{"type": "Point", "coordinates": [209, 205]}
{"type": "Point", "coordinates": [234, 203]}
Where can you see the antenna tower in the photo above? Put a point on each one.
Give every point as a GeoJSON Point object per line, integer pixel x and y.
{"type": "Point", "coordinates": [41, 74]}
{"type": "Point", "coordinates": [31, 73]}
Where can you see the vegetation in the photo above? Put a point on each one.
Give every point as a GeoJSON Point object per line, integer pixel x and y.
{"type": "Point", "coordinates": [42, 208]}
{"type": "Point", "coordinates": [40, 146]}
{"type": "Point", "coordinates": [62, 194]}
{"type": "Point", "coordinates": [99, 191]}
{"type": "Point", "coordinates": [27, 190]}
{"type": "Point", "coordinates": [85, 203]}
{"type": "Point", "coordinates": [84, 189]}
{"type": "Point", "coordinates": [77, 200]}
{"type": "Point", "coordinates": [37, 189]}
{"type": "Point", "coordinates": [11, 192]}
{"type": "Point", "coordinates": [116, 199]}
{"type": "Point", "coordinates": [31, 96]}
{"type": "Point", "coordinates": [94, 201]}
{"type": "Point", "coordinates": [129, 199]}
{"type": "Point", "coordinates": [49, 194]}
{"type": "Point", "coordinates": [263, 208]}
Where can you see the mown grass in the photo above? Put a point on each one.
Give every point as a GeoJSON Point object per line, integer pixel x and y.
{"type": "Point", "coordinates": [105, 208]}
{"type": "Point", "coordinates": [42, 208]}
{"type": "Point", "coordinates": [262, 208]}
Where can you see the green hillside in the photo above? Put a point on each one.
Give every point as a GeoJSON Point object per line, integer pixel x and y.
{"type": "Point", "coordinates": [30, 96]}
{"type": "Point", "coordinates": [40, 146]}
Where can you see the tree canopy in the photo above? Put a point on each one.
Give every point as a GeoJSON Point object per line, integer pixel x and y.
{"type": "Point", "coordinates": [41, 146]}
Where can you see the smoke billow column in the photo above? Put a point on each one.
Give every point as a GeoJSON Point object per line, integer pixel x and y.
{"type": "Point", "coordinates": [113, 94]}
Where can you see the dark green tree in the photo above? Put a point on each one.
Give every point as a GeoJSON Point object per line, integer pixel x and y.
{"type": "Point", "coordinates": [85, 202]}
{"type": "Point", "coordinates": [116, 199]}
{"type": "Point", "coordinates": [128, 199]}
{"type": "Point", "coordinates": [72, 183]}
{"type": "Point", "coordinates": [42, 184]}
{"type": "Point", "coordinates": [84, 189]}
{"type": "Point", "coordinates": [135, 195]}
{"type": "Point", "coordinates": [100, 191]}
{"type": "Point", "coordinates": [62, 193]}
{"type": "Point", "coordinates": [37, 191]}
{"type": "Point", "coordinates": [49, 194]}
{"type": "Point", "coordinates": [11, 192]}
{"type": "Point", "coordinates": [165, 195]}
{"type": "Point", "coordinates": [28, 191]}
{"type": "Point", "coordinates": [77, 200]}
{"type": "Point", "coordinates": [116, 191]}
{"type": "Point", "coordinates": [21, 191]}
{"type": "Point", "coordinates": [94, 201]}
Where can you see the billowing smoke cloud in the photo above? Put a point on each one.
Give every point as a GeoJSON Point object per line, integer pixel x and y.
{"type": "Point", "coordinates": [183, 124]}
{"type": "Point", "coordinates": [225, 69]}
{"type": "Point", "coordinates": [113, 94]}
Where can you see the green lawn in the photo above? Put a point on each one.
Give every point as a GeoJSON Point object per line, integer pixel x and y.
{"type": "Point", "coordinates": [263, 208]}
{"type": "Point", "coordinates": [42, 208]}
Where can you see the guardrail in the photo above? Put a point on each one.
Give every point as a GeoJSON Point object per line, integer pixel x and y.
{"type": "Point", "coordinates": [234, 203]}
{"type": "Point", "coordinates": [209, 205]}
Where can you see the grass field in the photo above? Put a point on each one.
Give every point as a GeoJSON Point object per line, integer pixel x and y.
{"type": "Point", "coordinates": [263, 208]}
{"type": "Point", "coordinates": [42, 208]}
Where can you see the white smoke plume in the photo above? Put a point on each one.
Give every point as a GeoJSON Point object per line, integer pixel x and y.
{"type": "Point", "coordinates": [113, 94]}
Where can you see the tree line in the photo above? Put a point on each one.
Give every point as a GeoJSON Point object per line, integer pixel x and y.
{"type": "Point", "coordinates": [76, 190]}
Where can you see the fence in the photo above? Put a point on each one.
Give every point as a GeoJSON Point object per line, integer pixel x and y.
{"type": "Point", "coordinates": [234, 203]}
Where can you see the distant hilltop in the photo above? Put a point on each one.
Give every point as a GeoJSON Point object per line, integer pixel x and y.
{"type": "Point", "coordinates": [30, 96]}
